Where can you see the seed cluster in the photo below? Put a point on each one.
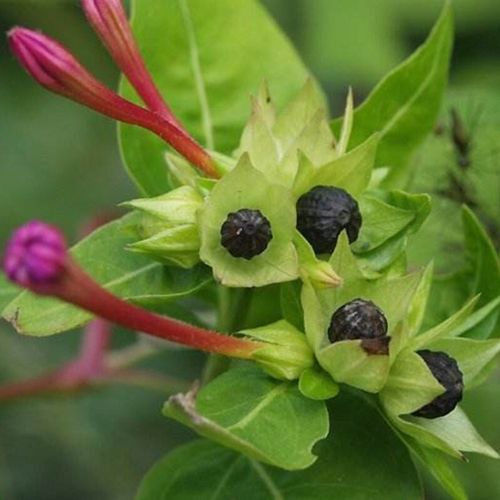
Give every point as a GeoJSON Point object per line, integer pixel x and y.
{"type": "Point", "coordinates": [246, 233]}
{"type": "Point", "coordinates": [448, 374]}
{"type": "Point", "coordinates": [358, 319]}
{"type": "Point", "coordinates": [323, 212]}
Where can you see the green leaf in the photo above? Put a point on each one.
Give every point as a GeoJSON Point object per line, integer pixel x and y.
{"type": "Point", "coordinates": [388, 219]}
{"type": "Point", "coordinates": [262, 418]}
{"type": "Point", "coordinates": [351, 171]}
{"type": "Point", "coordinates": [403, 107]}
{"type": "Point", "coordinates": [206, 58]}
{"type": "Point", "coordinates": [438, 466]}
{"type": "Point", "coordinates": [482, 259]}
{"type": "Point", "coordinates": [291, 307]}
{"type": "Point", "coordinates": [128, 275]}
{"type": "Point", "coordinates": [7, 291]}
{"type": "Point", "coordinates": [362, 459]}
{"type": "Point", "coordinates": [314, 383]}
{"type": "Point", "coordinates": [445, 328]}
{"type": "Point", "coordinates": [456, 430]}
{"type": "Point", "coordinates": [482, 323]}
{"type": "Point", "coordinates": [246, 187]}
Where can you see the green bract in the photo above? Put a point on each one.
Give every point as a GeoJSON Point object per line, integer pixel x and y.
{"type": "Point", "coordinates": [246, 187]}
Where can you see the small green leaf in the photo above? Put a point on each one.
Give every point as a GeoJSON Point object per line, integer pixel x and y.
{"type": "Point", "coordinates": [206, 66]}
{"type": "Point", "coordinates": [445, 328]}
{"type": "Point", "coordinates": [345, 132]}
{"type": "Point", "coordinates": [246, 187]}
{"type": "Point", "coordinates": [262, 418]}
{"type": "Point", "coordinates": [314, 383]}
{"type": "Point", "coordinates": [481, 324]}
{"type": "Point", "coordinates": [388, 219]}
{"type": "Point", "coordinates": [362, 459]}
{"type": "Point", "coordinates": [403, 107]}
{"type": "Point", "coordinates": [128, 275]}
{"type": "Point", "coordinates": [380, 223]}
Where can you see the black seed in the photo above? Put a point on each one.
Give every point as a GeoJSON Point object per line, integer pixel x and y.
{"type": "Point", "coordinates": [448, 374]}
{"type": "Point", "coordinates": [246, 233]}
{"type": "Point", "coordinates": [323, 213]}
{"type": "Point", "coordinates": [358, 319]}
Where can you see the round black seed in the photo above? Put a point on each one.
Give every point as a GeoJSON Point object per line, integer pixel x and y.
{"type": "Point", "coordinates": [323, 212]}
{"type": "Point", "coordinates": [358, 319]}
{"type": "Point", "coordinates": [448, 374]}
{"type": "Point", "coordinates": [246, 233]}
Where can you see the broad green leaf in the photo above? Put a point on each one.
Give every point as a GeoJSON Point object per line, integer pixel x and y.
{"type": "Point", "coordinates": [128, 275]}
{"type": "Point", "coordinates": [314, 383]}
{"type": "Point", "coordinates": [206, 58]}
{"type": "Point", "coordinates": [278, 262]}
{"type": "Point", "coordinates": [403, 107]}
{"type": "Point", "coordinates": [361, 459]}
{"type": "Point", "coordinates": [262, 418]}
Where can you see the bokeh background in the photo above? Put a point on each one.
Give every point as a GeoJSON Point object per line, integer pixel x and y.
{"type": "Point", "coordinates": [60, 162]}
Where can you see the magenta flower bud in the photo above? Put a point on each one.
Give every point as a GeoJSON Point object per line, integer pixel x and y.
{"type": "Point", "coordinates": [35, 256]}
{"type": "Point", "coordinates": [51, 65]}
{"type": "Point", "coordinates": [109, 20]}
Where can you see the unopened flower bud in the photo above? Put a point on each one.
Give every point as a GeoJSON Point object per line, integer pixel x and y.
{"type": "Point", "coordinates": [35, 256]}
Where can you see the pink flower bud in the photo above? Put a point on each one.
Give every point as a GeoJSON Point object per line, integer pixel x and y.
{"type": "Point", "coordinates": [110, 21]}
{"type": "Point", "coordinates": [51, 65]}
{"type": "Point", "coordinates": [35, 256]}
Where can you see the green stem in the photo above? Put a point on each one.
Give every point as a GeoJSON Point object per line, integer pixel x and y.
{"type": "Point", "coordinates": [233, 310]}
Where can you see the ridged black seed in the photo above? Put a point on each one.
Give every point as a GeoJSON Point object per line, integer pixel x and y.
{"type": "Point", "coordinates": [246, 233]}
{"type": "Point", "coordinates": [448, 374]}
{"type": "Point", "coordinates": [323, 212]}
{"type": "Point", "coordinates": [358, 319]}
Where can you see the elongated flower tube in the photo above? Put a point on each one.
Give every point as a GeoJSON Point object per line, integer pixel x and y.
{"type": "Point", "coordinates": [109, 20]}
{"type": "Point", "coordinates": [53, 67]}
{"type": "Point", "coordinates": [37, 259]}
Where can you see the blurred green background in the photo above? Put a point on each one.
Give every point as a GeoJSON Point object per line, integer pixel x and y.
{"type": "Point", "coordinates": [60, 163]}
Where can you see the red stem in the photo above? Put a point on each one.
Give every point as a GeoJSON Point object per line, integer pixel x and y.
{"type": "Point", "coordinates": [80, 289]}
